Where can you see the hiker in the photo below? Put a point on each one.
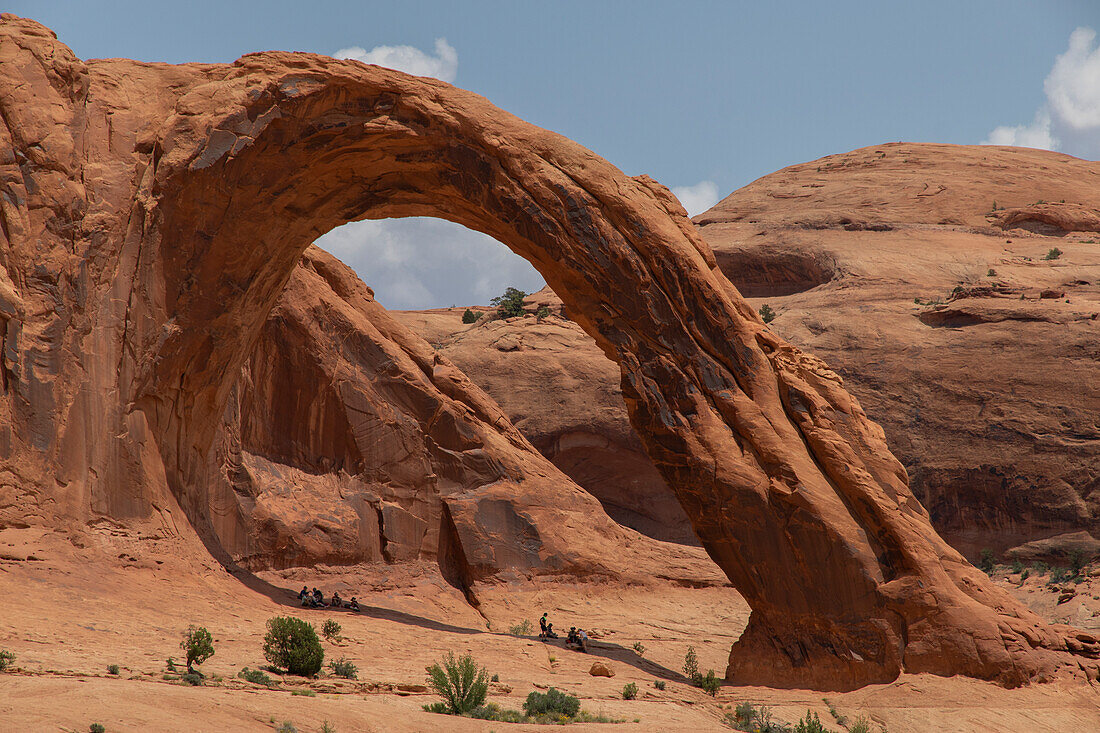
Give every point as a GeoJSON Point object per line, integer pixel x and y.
{"type": "Point", "coordinates": [352, 604]}
{"type": "Point", "coordinates": [336, 602]}
{"type": "Point", "coordinates": [318, 598]}
{"type": "Point", "coordinates": [582, 640]}
{"type": "Point", "coordinates": [577, 639]}
{"type": "Point", "coordinates": [542, 626]}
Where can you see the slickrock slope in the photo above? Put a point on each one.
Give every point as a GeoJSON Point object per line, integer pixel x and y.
{"type": "Point", "coordinates": [153, 214]}
{"type": "Point", "coordinates": [989, 388]}
{"type": "Point", "coordinates": [563, 394]}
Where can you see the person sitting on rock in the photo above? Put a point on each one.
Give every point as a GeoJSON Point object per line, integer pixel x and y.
{"type": "Point", "coordinates": [571, 637]}
{"type": "Point", "coordinates": [549, 633]}
{"type": "Point", "coordinates": [336, 602]}
{"type": "Point", "coordinates": [352, 604]}
{"type": "Point", "coordinates": [318, 598]}
{"type": "Point", "coordinates": [304, 596]}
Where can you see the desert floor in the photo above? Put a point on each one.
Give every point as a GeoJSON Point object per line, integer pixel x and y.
{"type": "Point", "coordinates": [69, 612]}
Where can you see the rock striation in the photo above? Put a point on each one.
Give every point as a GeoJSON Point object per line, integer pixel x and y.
{"type": "Point", "coordinates": [153, 214]}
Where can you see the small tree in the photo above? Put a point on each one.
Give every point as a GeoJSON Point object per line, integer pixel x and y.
{"type": "Point", "coordinates": [1053, 254]}
{"type": "Point", "coordinates": [461, 684]}
{"type": "Point", "coordinates": [198, 645]}
{"type": "Point", "coordinates": [767, 315]}
{"type": "Point", "coordinates": [292, 644]}
{"type": "Point", "coordinates": [542, 312]}
{"type": "Point", "coordinates": [510, 304]}
{"type": "Point", "coordinates": [985, 563]}
{"type": "Point", "coordinates": [691, 666]}
{"type": "Point", "coordinates": [470, 316]}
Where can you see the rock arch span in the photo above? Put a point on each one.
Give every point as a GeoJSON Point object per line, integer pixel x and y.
{"type": "Point", "coordinates": [211, 180]}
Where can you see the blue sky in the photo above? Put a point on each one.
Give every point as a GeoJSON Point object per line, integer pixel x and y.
{"type": "Point", "coordinates": [703, 96]}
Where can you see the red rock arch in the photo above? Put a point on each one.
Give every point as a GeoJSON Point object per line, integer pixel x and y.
{"type": "Point", "coordinates": [789, 487]}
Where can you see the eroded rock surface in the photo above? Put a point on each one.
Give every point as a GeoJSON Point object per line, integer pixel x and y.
{"type": "Point", "coordinates": [988, 387]}
{"type": "Point", "coordinates": [154, 214]}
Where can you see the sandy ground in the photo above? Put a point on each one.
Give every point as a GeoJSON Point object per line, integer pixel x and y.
{"type": "Point", "coordinates": [70, 612]}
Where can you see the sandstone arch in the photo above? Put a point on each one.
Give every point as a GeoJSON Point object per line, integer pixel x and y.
{"type": "Point", "coordinates": [228, 172]}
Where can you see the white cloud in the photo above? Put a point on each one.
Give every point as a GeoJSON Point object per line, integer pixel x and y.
{"type": "Point", "coordinates": [1070, 119]}
{"type": "Point", "coordinates": [698, 198]}
{"type": "Point", "coordinates": [421, 262]}
{"type": "Point", "coordinates": [411, 60]}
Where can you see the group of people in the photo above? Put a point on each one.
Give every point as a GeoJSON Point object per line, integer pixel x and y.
{"type": "Point", "coordinates": [576, 639]}
{"type": "Point", "coordinates": [316, 599]}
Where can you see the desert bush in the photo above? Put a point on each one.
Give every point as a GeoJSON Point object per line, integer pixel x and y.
{"type": "Point", "coordinates": [327, 728]}
{"type": "Point", "coordinates": [331, 630]}
{"type": "Point", "coordinates": [97, 728]}
{"type": "Point", "coordinates": [767, 315]}
{"type": "Point", "coordinates": [1017, 567]}
{"type": "Point", "coordinates": [344, 668]}
{"type": "Point", "coordinates": [861, 725]}
{"type": "Point", "coordinates": [192, 678]}
{"type": "Point", "coordinates": [542, 312]}
{"type": "Point", "coordinates": [198, 645]}
{"type": "Point", "coordinates": [639, 648]}
{"type": "Point", "coordinates": [710, 683]}
{"type": "Point", "coordinates": [286, 727]}
{"type": "Point", "coordinates": [492, 711]}
{"type": "Point", "coordinates": [809, 724]}
{"type": "Point", "coordinates": [460, 682]}
{"type": "Point", "coordinates": [495, 678]}
{"type": "Point", "coordinates": [510, 304]}
{"type": "Point", "coordinates": [7, 658]}
{"type": "Point", "coordinates": [991, 273]}
{"type": "Point", "coordinates": [691, 665]}
{"type": "Point", "coordinates": [1058, 575]}
{"type": "Point", "coordinates": [985, 562]}
{"type": "Point", "coordinates": [659, 684]}
{"type": "Point", "coordinates": [748, 717]}
{"type": "Point", "coordinates": [170, 665]}
{"type": "Point", "coordinates": [113, 669]}
{"type": "Point", "coordinates": [552, 702]}
{"type": "Point", "coordinates": [521, 629]}
{"type": "Point", "coordinates": [292, 644]}
{"type": "Point", "coordinates": [1025, 575]}
{"type": "Point", "coordinates": [256, 677]}
{"type": "Point", "coordinates": [470, 316]}
{"type": "Point", "coordinates": [1053, 254]}
{"type": "Point", "coordinates": [630, 691]}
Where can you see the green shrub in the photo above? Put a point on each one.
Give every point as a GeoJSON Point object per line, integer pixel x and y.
{"type": "Point", "coordinates": [327, 728]}
{"type": "Point", "coordinates": [659, 684]}
{"type": "Point", "coordinates": [97, 728]}
{"type": "Point", "coordinates": [809, 724]}
{"type": "Point", "coordinates": [7, 658]}
{"type": "Point", "coordinates": [767, 315]}
{"type": "Point", "coordinates": [991, 273]}
{"type": "Point", "coordinates": [639, 648]}
{"type": "Point", "coordinates": [510, 304]}
{"type": "Point", "coordinates": [286, 727]}
{"type": "Point", "coordinates": [630, 691]}
{"type": "Point", "coordinates": [170, 665]}
{"type": "Point", "coordinates": [192, 678]}
{"type": "Point", "coordinates": [542, 312]}
{"type": "Point", "coordinates": [985, 563]}
{"type": "Point", "coordinates": [691, 665]}
{"type": "Point", "coordinates": [862, 725]}
{"type": "Point", "coordinates": [747, 717]}
{"type": "Point", "coordinates": [437, 707]}
{"type": "Point", "coordinates": [492, 711]}
{"type": "Point", "coordinates": [198, 645]}
{"type": "Point", "coordinates": [522, 629]}
{"type": "Point", "coordinates": [1053, 254]}
{"type": "Point", "coordinates": [552, 702]}
{"type": "Point", "coordinates": [1025, 575]}
{"type": "Point", "coordinates": [1076, 562]}
{"type": "Point", "coordinates": [470, 316]}
{"type": "Point", "coordinates": [113, 669]}
{"type": "Point", "coordinates": [303, 693]}
{"type": "Point", "coordinates": [256, 677]}
{"type": "Point", "coordinates": [344, 668]}
{"type": "Point", "coordinates": [710, 683]}
{"type": "Point", "coordinates": [460, 682]}
{"type": "Point", "coordinates": [495, 678]}
{"type": "Point", "coordinates": [1017, 567]}
{"type": "Point", "coordinates": [331, 630]}
{"type": "Point", "coordinates": [1058, 575]}
{"type": "Point", "coordinates": [292, 644]}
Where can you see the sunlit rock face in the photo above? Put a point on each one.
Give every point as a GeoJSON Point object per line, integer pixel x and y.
{"type": "Point", "coordinates": [153, 215]}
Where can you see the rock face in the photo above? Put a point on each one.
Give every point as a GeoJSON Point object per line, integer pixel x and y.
{"type": "Point", "coordinates": [988, 387]}
{"type": "Point", "coordinates": [563, 394]}
{"type": "Point", "coordinates": [153, 214]}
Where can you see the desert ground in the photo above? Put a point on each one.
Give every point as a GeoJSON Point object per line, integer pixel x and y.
{"type": "Point", "coordinates": [73, 611]}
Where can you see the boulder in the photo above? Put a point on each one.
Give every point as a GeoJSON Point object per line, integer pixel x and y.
{"type": "Point", "coordinates": [599, 669]}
